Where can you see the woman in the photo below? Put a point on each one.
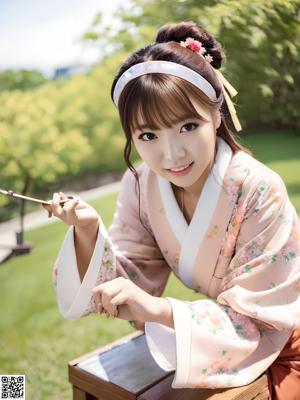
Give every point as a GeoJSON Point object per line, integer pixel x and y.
{"type": "Point", "coordinates": [201, 206]}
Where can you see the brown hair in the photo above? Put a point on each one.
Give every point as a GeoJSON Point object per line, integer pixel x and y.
{"type": "Point", "coordinates": [160, 99]}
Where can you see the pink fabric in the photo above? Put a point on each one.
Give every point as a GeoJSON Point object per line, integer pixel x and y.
{"type": "Point", "coordinates": [247, 263]}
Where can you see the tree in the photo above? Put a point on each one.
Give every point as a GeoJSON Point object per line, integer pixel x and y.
{"type": "Point", "coordinates": [70, 127]}
{"type": "Point", "coordinates": [20, 80]}
{"type": "Point", "coordinates": [31, 145]}
{"type": "Point", "coordinates": [261, 39]}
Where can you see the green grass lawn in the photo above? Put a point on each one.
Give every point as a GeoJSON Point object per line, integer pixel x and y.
{"type": "Point", "coordinates": [36, 341]}
{"type": "Point", "coordinates": [281, 152]}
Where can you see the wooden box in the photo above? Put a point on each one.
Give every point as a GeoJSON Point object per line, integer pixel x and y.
{"type": "Point", "coordinates": [125, 369]}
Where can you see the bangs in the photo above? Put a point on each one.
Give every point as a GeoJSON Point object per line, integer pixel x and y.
{"type": "Point", "coordinates": [157, 101]}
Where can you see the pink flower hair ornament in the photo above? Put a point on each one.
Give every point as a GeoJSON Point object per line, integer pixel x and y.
{"type": "Point", "coordinates": [175, 69]}
{"type": "Point", "coordinates": [197, 47]}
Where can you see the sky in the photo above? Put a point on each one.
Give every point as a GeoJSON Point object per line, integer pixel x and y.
{"type": "Point", "coordinates": [44, 35]}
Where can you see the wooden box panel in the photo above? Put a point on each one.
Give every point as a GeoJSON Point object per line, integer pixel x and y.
{"type": "Point", "coordinates": [125, 369]}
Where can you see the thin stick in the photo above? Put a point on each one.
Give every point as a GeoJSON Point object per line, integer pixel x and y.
{"type": "Point", "coordinates": [10, 193]}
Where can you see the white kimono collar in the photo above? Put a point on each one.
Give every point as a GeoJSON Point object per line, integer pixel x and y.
{"type": "Point", "coordinates": [190, 236]}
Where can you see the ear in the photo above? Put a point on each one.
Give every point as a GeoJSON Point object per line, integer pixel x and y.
{"type": "Point", "coordinates": [217, 119]}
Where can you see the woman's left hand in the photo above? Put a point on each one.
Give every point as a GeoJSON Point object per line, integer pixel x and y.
{"type": "Point", "coordinates": [122, 298]}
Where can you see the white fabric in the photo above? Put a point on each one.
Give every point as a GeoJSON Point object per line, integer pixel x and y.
{"type": "Point", "coordinates": [165, 344]}
{"type": "Point", "coordinates": [164, 67]}
{"type": "Point", "coordinates": [192, 235]}
{"type": "Point", "coordinates": [174, 214]}
{"type": "Point", "coordinates": [74, 296]}
{"type": "Point", "coordinates": [161, 337]}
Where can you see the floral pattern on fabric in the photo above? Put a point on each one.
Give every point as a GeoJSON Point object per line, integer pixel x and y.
{"type": "Point", "coordinates": [107, 272]}
{"type": "Point", "coordinates": [229, 241]}
{"type": "Point", "coordinates": [231, 339]}
{"type": "Point", "coordinates": [248, 254]}
{"type": "Point", "coordinates": [206, 317]}
{"type": "Point", "coordinates": [213, 232]}
{"type": "Point", "coordinates": [243, 327]}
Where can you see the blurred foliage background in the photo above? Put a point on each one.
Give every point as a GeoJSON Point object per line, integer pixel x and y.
{"type": "Point", "coordinates": [55, 130]}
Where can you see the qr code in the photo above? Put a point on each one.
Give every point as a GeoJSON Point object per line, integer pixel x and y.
{"type": "Point", "coordinates": [12, 387]}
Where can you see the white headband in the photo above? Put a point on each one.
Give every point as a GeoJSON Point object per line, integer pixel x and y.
{"type": "Point", "coordinates": [170, 68]}
{"type": "Point", "coordinates": [163, 67]}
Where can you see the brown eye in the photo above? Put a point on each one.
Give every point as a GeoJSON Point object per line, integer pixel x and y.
{"type": "Point", "coordinates": [189, 127]}
{"type": "Point", "coordinates": [146, 137]}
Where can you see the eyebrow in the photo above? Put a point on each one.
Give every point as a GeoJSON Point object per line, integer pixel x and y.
{"type": "Point", "coordinates": [174, 121]}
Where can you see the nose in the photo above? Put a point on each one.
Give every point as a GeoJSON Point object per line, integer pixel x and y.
{"type": "Point", "coordinates": [172, 148]}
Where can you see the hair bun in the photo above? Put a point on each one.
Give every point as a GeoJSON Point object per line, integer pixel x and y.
{"type": "Point", "coordinates": [178, 32]}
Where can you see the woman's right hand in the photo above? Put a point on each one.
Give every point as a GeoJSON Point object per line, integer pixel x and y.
{"type": "Point", "coordinates": [74, 212]}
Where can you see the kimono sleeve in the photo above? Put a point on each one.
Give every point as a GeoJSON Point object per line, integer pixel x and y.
{"type": "Point", "coordinates": [234, 340]}
{"type": "Point", "coordinates": [128, 249]}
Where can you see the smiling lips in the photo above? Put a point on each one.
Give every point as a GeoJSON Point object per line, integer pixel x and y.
{"type": "Point", "coordinates": [181, 170]}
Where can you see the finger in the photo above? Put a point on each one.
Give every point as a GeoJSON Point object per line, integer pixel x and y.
{"type": "Point", "coordinates": [99, 308]}
{"type": "Point", "coordinates": [98, 302]}
{"type": "Point", "coordinates": [112, 311]}
{"type": "Point", "coordinates": [67, 199]}
{"type": "Point", "coordinates": [97, 295]}
{"type": "Point", "coordinates": [55, 206]}
{"type": "Point", "coordinates": [62, 196]}
{"type": "Point", "coordinates": [98, 289]}
{"type": "Point", "coordinates": [117, 302]}
{"type": "Point", "coordinates": [120, 299]}
{"type": "Point", "coordinates": [69, 208]}
{"type": "Point", "coordinates": [108, 290]}
{"type": "Point", "coordinates": [47, 208]}
{"type": "Point", "coordinates": [116, 313]}
{"type": "Point", "coordinates": [106, 286]}
{"type": "Point", "coordinates": [106, 301]}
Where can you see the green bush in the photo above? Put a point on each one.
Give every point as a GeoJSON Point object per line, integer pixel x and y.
{"type": "Point", "coordinates": [261, 39]}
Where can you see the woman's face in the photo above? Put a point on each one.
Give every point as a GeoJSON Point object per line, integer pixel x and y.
{"type": "Point", "coordinates": [181, 154]}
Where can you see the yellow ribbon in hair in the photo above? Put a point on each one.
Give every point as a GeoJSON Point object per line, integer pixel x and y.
{"type": "Point", "coordinates": [231, 90]}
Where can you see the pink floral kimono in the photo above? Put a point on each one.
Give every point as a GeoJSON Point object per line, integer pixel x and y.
{"type": "Point", "coordinates": [241, 249]}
